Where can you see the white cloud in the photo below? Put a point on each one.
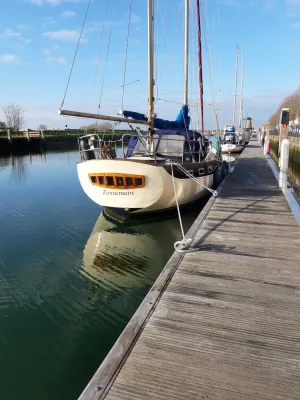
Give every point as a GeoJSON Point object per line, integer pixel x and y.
{"type": "Point", "coordinates": [9, 58]}
{"type": "Point", "coordinates": [51, 2]}
{"type": "Point", "coordinates": [9, 33]}
{"type": "Point", "coordinates": [269, 3]}
{"type": "Point", "coordinates": [135, 19]}
{"type": "Point", "coordinates": [230, 2]}
{"type": "Point", "coordinates": [24, 26]}
{"type": "Point", "coordinates": [36, 2]}
{"type": "Point", "coordinates": [68, 14]}
{"type": "Point", "coordinates": [63, 34]}
{"type": "Point", "coordinates": [59, 60]}
{"type": "Point", "coordinates": [292, 2]}
{"type": "Point", "coordinates": [46, 52]}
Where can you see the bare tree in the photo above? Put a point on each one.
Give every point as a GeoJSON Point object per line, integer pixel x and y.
{"type": "Point", "coordinates": [14, 116]}
{"type": "Point", "coordinates": [293, 103]}
{"type": "Point", "coordinates": [2, 125]}
{"type": "Point", "coordinates": [104, 126]}
{"type": "Point", "coordinates": [42, 127]}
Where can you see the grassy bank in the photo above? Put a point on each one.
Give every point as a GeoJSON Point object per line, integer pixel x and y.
{"type": "Point", "coordinates": [294, 160]}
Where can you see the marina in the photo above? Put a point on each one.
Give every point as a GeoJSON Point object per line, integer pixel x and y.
{"type": "Point", "coordinates": [150, 201]}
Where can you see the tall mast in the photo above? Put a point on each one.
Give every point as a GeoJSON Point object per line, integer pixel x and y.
{"type": "Point", "coordinates": [242, 96]}
{"type": "Point", "coordinates": [186, 53]}
{"type": "Point", "coordinates": [150, 65]}
{"type": "Point", "coordinates": [200, 65]}
{"type": "Point", "coordinates": [236, 83]}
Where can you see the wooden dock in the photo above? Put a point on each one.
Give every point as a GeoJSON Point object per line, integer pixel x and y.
{"type": "Point", "coordinates": [223, 322]}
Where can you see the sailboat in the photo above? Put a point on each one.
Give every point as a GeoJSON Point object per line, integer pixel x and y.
{"type": "Point", "coordinates": [165, 165]}
{"type": "Point", "coordinates": [232, 141]}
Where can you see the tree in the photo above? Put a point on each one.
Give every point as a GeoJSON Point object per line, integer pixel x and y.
{"type": "Point", "coordinates": [2, 125]}
{"type": "Point", "coordinates": [14, 116]}
{"type": "Point", "coordinates": [42, 127]}
{"type": "Point", "coordinates": [293, 103]}
{"type": "Point", "coordinates": [104, 126]}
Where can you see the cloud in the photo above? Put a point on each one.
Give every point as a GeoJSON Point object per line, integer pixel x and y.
{"type": "Point", "coordinates": [51, 2]}
{"type": "Point", "coordinates": [63, 34]}
{"type": "Point", "coordinates": [68, 14]}
{"type": "Point", "coordinates": [46, 52]}
{"type": "Point", "coordinates": [9, 58]}
{"type": "Point", "coordinates": [230, 2]}
{"type": "Point", "coordinates": [269, 3]}
{"type": "Point", "coordinates": [135, 19]}
{"type": "Point", "coordinates": [36, 2]}
{"type": "Point", "coordinates": [296, 25]}
{"type": "Point", "coordinates": [24, 27]}
{"type": "Point", "coordinates": [58, 60]}
{"type": "Point", "coordinates": [10, 33]}
{"type": "Point", "coordinates": [292, 2]}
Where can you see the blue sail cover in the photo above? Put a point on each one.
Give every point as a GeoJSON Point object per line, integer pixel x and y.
{"type": "Point", "coordinates": [182, 120]}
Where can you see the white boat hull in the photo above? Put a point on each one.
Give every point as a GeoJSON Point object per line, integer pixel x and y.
{"type": "Point", "coordinates": [231, 148]}
{"type": "Point", "coordinates": [157, 194]}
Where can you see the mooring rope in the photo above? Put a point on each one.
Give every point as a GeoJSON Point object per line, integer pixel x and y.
{"type": "Point", "coordinates": [182, 245]}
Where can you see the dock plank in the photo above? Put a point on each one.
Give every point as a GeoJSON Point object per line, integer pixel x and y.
{"type": "Point", "coordinates": [227, 324]}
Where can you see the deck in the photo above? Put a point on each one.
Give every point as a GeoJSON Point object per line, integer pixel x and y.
{"type": "Point", "coordinates": [222, 322]}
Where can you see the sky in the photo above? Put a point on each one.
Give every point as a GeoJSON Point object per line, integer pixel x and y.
{"type": "Point", "coordinates": [38, 39]}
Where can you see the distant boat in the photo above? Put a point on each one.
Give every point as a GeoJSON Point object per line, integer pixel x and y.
{"type": "Point", "coordinates": [231, 142]}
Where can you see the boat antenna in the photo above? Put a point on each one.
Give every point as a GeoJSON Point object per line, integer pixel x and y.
{"type": "Point", "coordinates": [186, 53]}
{"type": "Point", "coordinates": [200, 65]}
{"type": "Point", "coordinates": [236, 83]}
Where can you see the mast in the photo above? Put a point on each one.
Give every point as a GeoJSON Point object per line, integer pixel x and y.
{"type": "Point", "coordinates": [242, 97]}
{"type": "Point", "coordinates": [186, 53]}
{"type": "Point", "coordinates": [150, 66]}
{"type": "Point", "coordinates": [200, 65]}
{"type": "Point", "coordinates": [236, 83]}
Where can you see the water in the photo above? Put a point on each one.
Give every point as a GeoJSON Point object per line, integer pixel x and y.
{"type": "Point", "coordinates": [69, 279]}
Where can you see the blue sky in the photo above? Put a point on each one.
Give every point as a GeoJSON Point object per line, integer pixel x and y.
{"type": "Point", "coordinates": [38, 40]}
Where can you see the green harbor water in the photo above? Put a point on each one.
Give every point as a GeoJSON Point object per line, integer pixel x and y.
{"type": "Point", "coordinates": [69, 279]}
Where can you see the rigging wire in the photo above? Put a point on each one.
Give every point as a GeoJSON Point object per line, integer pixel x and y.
{"type": "Point", "coordinates": [99, 48]}
{"type": "Point", "coordinates": [200, 65]}
{"type": "Point", "coordinates": [182, 35]}
{"type": "Point", "coordinates": [164, 30]}
{"type": "Point", "coordinates": [130, 83]}
{"type": "Point", "coordinates": [76, 51]}
{"type": "Point", "coordinates": [105, 65]}
{"type": "Point", "coordinates": [126, 53]}
{"type": "Point", "coordinates": [207, 42]}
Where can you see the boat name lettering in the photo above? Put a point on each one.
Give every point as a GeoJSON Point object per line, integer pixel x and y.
{"type": "Point", "coordinates": [129, 192]}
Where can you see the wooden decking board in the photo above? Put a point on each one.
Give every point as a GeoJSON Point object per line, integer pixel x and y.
{"type": "Point", "coordinates": [227, 326]}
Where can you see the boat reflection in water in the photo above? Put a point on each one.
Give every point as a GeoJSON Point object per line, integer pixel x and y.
{"type": "Point", "coordinates": [120, 257]}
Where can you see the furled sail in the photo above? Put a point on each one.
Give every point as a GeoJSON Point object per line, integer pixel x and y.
{"type": "Point", "coordinates": [182, 120]}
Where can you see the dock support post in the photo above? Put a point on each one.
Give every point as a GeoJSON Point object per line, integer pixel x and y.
{"type": "Point", "coordinates": [284, 164]}
{"type": "Point", "coordinates": [9, 135]}
{"type": "Point", "coordinates": [27, 135]}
